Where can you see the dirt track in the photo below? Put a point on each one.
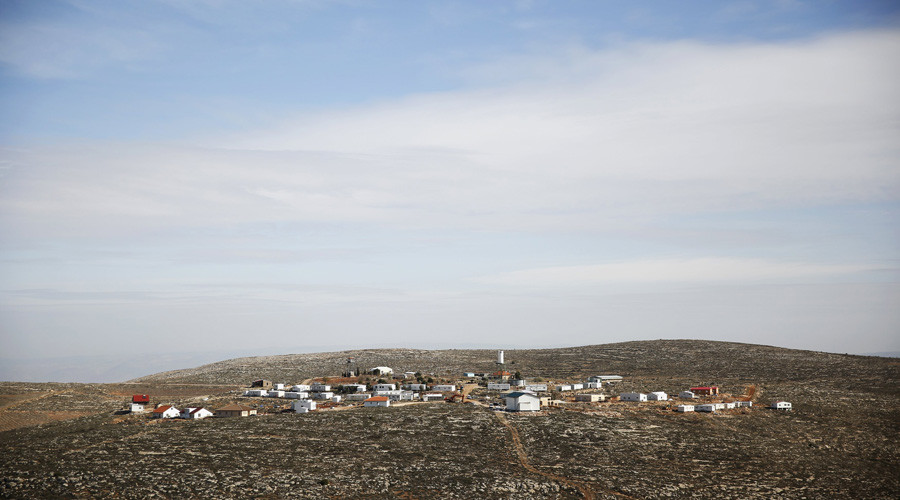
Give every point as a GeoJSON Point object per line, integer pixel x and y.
{"type": "Point", "coordinates": [523, 460]}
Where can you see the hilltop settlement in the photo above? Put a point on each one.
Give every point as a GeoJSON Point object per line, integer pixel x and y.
{"type": "Point", "coordinates": [500, 390]}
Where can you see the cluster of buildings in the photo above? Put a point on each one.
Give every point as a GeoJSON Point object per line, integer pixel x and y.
{"type": "Point", "coordinates": [382, 394]}
{"type": "Point", "coordinates": [518, 395]}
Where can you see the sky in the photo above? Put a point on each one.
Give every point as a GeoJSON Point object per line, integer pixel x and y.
{"type": "Point", "coordinates": [291, 176]}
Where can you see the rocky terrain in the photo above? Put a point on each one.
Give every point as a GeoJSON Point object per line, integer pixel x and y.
{"type": "Point", "coordinates": [840, 440]}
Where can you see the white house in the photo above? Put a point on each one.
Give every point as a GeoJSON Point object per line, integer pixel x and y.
{"type": "Point", "coordinates": [323, 395]}
{"type": "Point", "coordinates": [387, 393]}
{"type": "Point", "coordinates": [658, 396]}
{"type": "Point", "coordinates": [494, 386]}
{"type": "Point", "coordinates": [276, 394]}
{"type": "Point", "coordinates": [415, 387]}
{"type": "Point", "coordinates": [536, 387]}
{"type": "Point", "coordinates": [195, 413]}
{"type": "Point", "coordinates": [522, 401]}
{"type": "Point", "coordinates": [781, 405]}
{"type": "Point", "coordinates": [335, 399]}
{"type": "Point", "coordinates": [320, 388]}
{"type": "Point", "coordinates": [296, 395]}
{"type": "Point", "coordinates": [687, 395]}
{"type": "Point", "coordinates": [563, 388]}
{"type": "Point", "coordinates": [306, 404]}
{"type": "Point", "coordinates": [517, 383]}
{"type": "Point", "coordinates": [719, 406]}
{"type": "Point", "coordinates": [256, 393]}
{"type": "Point", "coordinates": [745, 404]}
{"type": "Point", "coordinates": [355, 387]}
{"type": "Point", "coordinates": [385, 387]}
{"type": "Point", "coordinates": [594, 385]}
{"type": "Point", "coordinates": [278, 387]}
{"type": "Point", "coordinates": [443, 388]}
{"type": "Point", "coordinates": [633, 396]}
{"type": "Point", "coordinates": [577, 387]}
{"type": "Point", "coordinates": [382, 370]}
{"type": "Point", "coordinates": [709, 408]}
{"type": "Point", "coordinates": [432, 397]}
{"type": "Point", "coordinates": [377, 401]}
{"type": "Point", "coordinates": [301, 388]}
{"type": "Point", "coordinates": [137, 408]}
{"type": "Point", "coordinates": [167, 411]}
{"type": "Point", "coordinates": [684, 408]}
{"type": "Point", "coordinates": [730, 406]}
{"type": "Point", "coordinates": [357, 396]}
{"type": "Point", "coordinates": [606, 378]}
{"type": "Point", "coordinates": [301, 410]}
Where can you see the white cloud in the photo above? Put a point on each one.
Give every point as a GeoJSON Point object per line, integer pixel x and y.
{"type": "Point", "coordinates": [601, 140]}
{"type": "Point", "coordinates": [710, 270]}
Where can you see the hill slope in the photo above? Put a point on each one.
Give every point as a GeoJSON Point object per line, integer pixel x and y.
{"type": "Point", "coordinates": [697, 359]}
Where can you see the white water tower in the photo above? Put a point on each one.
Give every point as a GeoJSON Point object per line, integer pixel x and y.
{"type": "Point", "coordinates": [499, 357]}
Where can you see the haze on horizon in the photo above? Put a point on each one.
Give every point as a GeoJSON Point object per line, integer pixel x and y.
{"type": "Point", "coordinates": [237, 176]}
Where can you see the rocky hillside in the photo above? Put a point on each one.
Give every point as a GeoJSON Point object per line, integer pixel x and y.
{"type": "Point", "coordinates": [698, 359]}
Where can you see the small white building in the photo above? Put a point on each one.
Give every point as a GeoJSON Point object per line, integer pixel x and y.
{"type": "Point", "coordinates": [382, 370]}
{"type": "Point", "coordinates": [708, 408]}
{"type": "Point", "coordinates": [385, 387]}
{"type": "Point", "coordinates": [355, 388]}
{"type": "Point", "coordinates": [432, 397]}
{"type": "Point", "coordinates": [609, 379]}
{"type": "Point", "coordinates": [415, 387]}
{"type": "Point", "coordinates": [517, 383]}
{"type": "Point", "coordinates": [687, 395]}
{"type": "Point", "coordinates": [590, 398]}
{"type": "Point", "coordinates": [536, 387]}
{"type": "Point", "coordinates": [443, 388]}
{"type": "Point", "coordinates": [335, 399]}
{"type": "Point", "coordinates": [684, 408]}
{"type": "Point", "coordinates": [577, 387]}
{"type": "Point", "coordinates": [745, 404]}
{"type": "Point", "coordinates": [296, 395]}
{"type": "Point", "coordinates": [320, 388]}
{"type": "Point", "coordinates": [301, 388]}
{"type": "Point", "coordinates": [730, 406]}
{"type": "Point", "coordinates": [301, 410]}
{"type": "Point", "coordinates": [377, 401]}
{"type": "Point", "coordinates": [166, 411]}
{"type": "Point", "coordinates": [258, 393]}
{"type": "Point", "coordinates": [276, 394]}
{"type": "Point", "coordinates": [387, 393]}
{"type": "Point", "coordinates": [305, 404]}
{"type": "Point", "coordinates": [357, 396]}
{"type": "Point", "coordinates": [633, 396]}
{"type": "Point", "coordinates": [137, 408]}
{"type": "Point", "coordinates": [658, 396]}
{"type": "Point", "coordinates": [496, 386]}
{"type": "Point", "coordinates": [522, 401]}
{"type": "Point", "coordinates": [278, 387]}
{"type": "Point", "coordinates": [195, 413]}
{"type": "Point", "coordinates": [594, 385]}
{"type": "Point", "coordinates": [323, 395]}
{"type": "Point", "coordinates": [563, 388]}
{"type": "Point", "coordinates": [719, 406]}
{"type": "Point", "coordinates": [782, 405]}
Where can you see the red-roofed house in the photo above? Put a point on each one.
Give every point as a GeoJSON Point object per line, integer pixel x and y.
{"type": "Point", "coordinates": [376, 401]}
{"type": "Point", "coordinates": [165, 411]}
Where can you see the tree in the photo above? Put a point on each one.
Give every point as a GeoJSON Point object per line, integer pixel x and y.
{"type": "Point", "coordinates": [518, 376]}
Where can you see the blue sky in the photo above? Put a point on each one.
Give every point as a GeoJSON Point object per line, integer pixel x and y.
{"type": "Point", "coordinates": [271, 176]}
